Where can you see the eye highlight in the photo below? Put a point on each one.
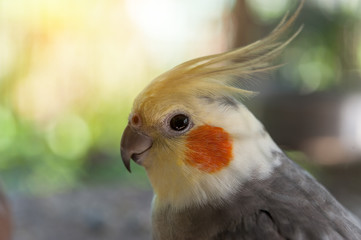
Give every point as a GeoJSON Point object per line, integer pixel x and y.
{"type": "Point", "coordinates": [179, 122]}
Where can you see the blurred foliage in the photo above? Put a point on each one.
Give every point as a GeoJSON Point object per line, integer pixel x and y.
{"type": "Point", "coordinates": [324, 56]}
{"type": "Point", "coordinates": [70, 70]}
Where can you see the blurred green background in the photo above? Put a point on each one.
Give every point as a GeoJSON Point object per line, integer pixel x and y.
{"type": "Point", "coordinates": [69, 71]}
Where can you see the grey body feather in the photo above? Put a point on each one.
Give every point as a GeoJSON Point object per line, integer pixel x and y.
{"type": "Point", "coordinates": [290, 204]}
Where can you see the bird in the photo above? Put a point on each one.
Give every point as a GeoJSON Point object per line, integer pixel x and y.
{"type": "Point", "coordinates": [5, 218]}
{"type": "Point", "coordinates": [215, 171]}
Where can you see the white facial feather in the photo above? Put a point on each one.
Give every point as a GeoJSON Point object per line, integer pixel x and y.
{"type": "Point", "coordinates": [252, 158]}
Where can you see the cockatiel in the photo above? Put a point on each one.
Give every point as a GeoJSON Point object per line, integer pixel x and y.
{"type": "Point", "coordinates": [215, 171]}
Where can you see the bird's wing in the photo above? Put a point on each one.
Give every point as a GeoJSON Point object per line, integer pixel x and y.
{"type": "Point", "coordinates": [260, 226]}
{"type": "Point", "coordinates": [291, 204]}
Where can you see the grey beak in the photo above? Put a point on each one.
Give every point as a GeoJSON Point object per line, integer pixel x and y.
{"type": "Point", "coordinates": [133, 146]}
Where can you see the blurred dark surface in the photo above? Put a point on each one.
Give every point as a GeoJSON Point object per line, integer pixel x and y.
{"type": "Point", "coordinates": [119, 212]}
{"type": "Point", "coordinates": [110, 212]}
{"type": "Point", "coordinates": [312, 124]}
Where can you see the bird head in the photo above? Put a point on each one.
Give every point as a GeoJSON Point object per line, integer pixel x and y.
{"type": "Point", "coordinates": [191, 131]}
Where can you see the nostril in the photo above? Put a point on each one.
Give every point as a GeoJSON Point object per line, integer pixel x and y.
{"type": "Point", "coordinates": [135, 120]}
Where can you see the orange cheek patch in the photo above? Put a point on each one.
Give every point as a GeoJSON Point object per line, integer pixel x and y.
{"type": "Point", "coordinates": [209, 148]}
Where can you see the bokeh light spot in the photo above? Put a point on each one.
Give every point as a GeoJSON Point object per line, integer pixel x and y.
{"type": "Point", "coordinates": [311, 76]}
{"type": "Point", "coordinates": [315, 69]}
{"type": "Point", "coordinates": [268, 10]}
{"type": "Point", "coordinates": [69, 137]}
{"type": "Point", "coordinates": [351, 123]}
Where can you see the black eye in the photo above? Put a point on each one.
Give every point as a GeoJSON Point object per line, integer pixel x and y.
{"type": "Point", "coordinates": [179, 122]}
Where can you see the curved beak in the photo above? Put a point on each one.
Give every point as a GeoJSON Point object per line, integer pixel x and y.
{"type": "Point", "coordinates": [134, 145]}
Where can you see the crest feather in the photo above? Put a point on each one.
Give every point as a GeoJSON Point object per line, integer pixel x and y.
{"type": "Point", "coordinates": [226, 69]}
